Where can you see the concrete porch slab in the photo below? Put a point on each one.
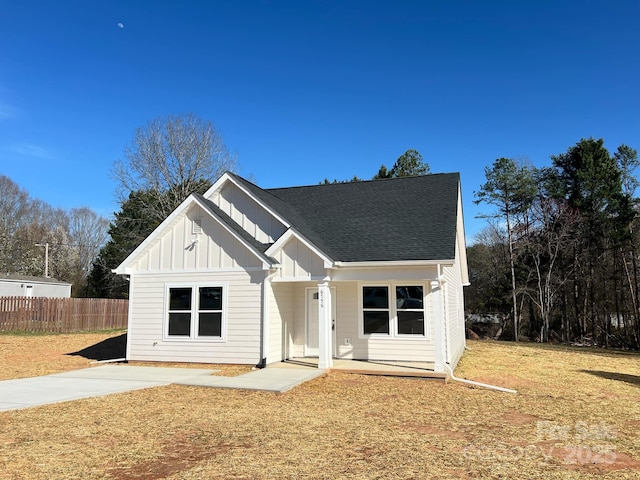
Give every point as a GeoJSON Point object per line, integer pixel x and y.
{"type": "Point", "coordinates": [371, 367]}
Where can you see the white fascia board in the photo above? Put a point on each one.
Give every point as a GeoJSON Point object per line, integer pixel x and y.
{"type": "Point", "coordinates": [124, 267]}
{"type": "Point", "coordinates": [224, 178]}
{"type": "Point", "coordinates": [228, 178]}
{"type": "Point", "coordinates": [292, 233]}
{"type": "Point", "coordinates": [395, 263]}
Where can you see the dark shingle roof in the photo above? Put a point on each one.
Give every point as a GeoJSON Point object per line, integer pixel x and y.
{"type": "Point", "coordinates": [406, 218]}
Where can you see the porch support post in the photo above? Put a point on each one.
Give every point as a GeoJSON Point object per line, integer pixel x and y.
{"type": "Point", "coordinates": [438, 326]}
{"type": "Point", "coordinates": [325, 359]}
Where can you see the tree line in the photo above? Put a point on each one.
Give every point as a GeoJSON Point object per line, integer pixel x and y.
{"type": "Point", "coordinates": [559, 256]}
{"type": "Point", "coordinates": [36, 238]}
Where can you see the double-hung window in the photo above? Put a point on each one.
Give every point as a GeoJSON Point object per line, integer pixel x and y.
{"type": "Point", "coordinates": [195, 312]}
{"type": "Point", "coordinates": [375, 310]}
{"type": "Point", "coordinates": [393, 310]}
{"type": "Point", "coordinates": [410, 310]}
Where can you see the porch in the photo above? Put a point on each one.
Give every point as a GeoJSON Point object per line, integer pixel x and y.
{"type": "Point", "coordinates": [369, 367]}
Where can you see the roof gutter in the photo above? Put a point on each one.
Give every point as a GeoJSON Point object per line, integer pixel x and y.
{"type": "Point", "coordinates": [393, 263]}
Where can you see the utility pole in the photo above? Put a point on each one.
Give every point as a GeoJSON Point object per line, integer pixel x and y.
{"type": "Point", "coordinates": [46, 257]}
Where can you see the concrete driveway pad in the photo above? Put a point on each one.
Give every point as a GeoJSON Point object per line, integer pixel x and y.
{"type": "Point", "coordinates": [127, 372]}
{"type": "Point", "coordinates": [108, 379]}
{"type": "Point", "coordinates": [86, 383]}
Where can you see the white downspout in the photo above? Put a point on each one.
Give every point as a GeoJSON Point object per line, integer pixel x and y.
{"type": "Point", "coordinates": [264, 341]}
{"type": "Point", "coordinates": [127, 353]}
{"type": "Point", "coordinates": [438, 334]}
{"type": "Point", "coordinates": [478, 384]}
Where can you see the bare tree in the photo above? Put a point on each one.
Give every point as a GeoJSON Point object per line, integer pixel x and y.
{"type": "Point", "coordinates": [171, 157]}
{"type": "Point", "coordinates": [88, 232]}
{"type": "Point", "coordinates": [551, 232]}
{"type": "Point", "coordinates": [13, 207]}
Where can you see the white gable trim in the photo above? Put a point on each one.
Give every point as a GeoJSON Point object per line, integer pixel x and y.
{"type": "Point", "coordinates": [125, 267]}
{"type": "Point", "coordinates": [461, 242]}
{"type": "Point", "coordinates": [226, 177]}
{"type": "Point", "coordinates": [266, 265]}
{"type": "Point", "coordinates": [291, 233]}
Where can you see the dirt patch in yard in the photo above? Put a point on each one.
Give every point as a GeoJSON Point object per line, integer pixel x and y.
{"type": "Point", "coordinates": [179, 455]}
{"type": "Point", "coordinates": [340, 425]}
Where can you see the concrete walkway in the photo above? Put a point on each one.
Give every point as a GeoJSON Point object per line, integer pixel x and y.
{"type": "Point", "coordinates": [107, 379]}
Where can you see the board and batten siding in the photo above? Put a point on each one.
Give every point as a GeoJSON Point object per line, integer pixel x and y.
{"type": "Point", "coordinates": [147, 341]}
{"type": "Point", "coordinates": [299, 261]}
{"type": "Point", "coordinates": [251, 216]}
{"type": "Point", "coordinates": [179, 248]}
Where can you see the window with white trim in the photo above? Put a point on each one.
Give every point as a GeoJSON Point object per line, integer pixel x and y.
{"type": "Point", "coordinates": [375, 310]}
{"type": "Point", "coordinates": [195, 312]}
{"type": "Point", "coordinates": [393, 310]}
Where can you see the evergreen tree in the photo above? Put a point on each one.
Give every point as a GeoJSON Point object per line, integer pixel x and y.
{"type": "Point", "coordinates": [511, 189]}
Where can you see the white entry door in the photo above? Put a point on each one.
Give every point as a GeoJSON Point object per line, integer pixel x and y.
{"type": "Point", "coordinates": [311, 348]}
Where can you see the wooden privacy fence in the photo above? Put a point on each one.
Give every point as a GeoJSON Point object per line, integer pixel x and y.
{"type": "Point", "coordinates": [61, 315]}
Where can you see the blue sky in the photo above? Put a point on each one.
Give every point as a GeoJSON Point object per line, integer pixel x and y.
{"type": "Point", "coordinates": [305, 90]}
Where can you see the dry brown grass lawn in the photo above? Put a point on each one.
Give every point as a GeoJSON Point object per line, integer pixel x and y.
{"type": "Point", "coordinates": [577, 415]}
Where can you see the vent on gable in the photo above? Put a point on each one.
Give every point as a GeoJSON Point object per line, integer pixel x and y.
{"type": "Point", "coordinates": [196, 227]}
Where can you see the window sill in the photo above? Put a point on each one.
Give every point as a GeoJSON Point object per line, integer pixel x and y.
{"type": "Point", "coordinates": [185, 338]}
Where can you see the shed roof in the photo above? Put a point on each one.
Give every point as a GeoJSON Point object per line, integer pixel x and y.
{"type": "Point", "coordinates": [9, 277]}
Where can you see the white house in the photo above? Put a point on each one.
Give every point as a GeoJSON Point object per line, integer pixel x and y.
{"type": "Point", "coordinates": [368, 270]}
{"type": "Point", "coordinates": [26, 286]}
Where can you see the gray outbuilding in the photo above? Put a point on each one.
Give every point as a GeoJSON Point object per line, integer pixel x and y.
{"type": "Point", "coordinates": [26, 286]}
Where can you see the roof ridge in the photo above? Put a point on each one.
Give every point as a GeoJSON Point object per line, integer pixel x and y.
{"type": "Point", "coordinates": [361, 182]}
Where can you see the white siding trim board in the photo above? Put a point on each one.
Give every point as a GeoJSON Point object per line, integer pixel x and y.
{"type": "Point", "coordinates": [201, 270]}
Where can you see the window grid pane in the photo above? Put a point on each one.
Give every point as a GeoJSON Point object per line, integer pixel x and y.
{"type": "Point", "coordinates": [376, 322]}
{"type": "Point", "coordinates": [210, 298]}
{"type": "Point", "coordinates": [375, 297]}
{"type": "Point", "coordinates": [180, 324]}
{"type": "Point", "coordinates": [179, 299]}
{"type": "Point", "coordinates": [210, 324]}
{"type": "Point", "coordinates": [410, 323]}
{"type": "Point", "coordinates": [409, 298]}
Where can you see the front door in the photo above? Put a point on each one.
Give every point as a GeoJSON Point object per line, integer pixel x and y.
{"type": "Point", "coordinates": [311, 347]}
